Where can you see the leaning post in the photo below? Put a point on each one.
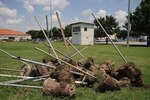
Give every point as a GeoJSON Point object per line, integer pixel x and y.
{"type": "Point", "coordinates": [110, 39]}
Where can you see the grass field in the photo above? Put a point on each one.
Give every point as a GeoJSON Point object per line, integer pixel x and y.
{"type": "Point", "coordinates": [139, 55]}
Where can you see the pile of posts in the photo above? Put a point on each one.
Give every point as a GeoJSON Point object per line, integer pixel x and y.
{"type": "Point", "coordinates": [60, 75]}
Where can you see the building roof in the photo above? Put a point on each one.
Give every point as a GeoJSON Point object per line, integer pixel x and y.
{"type": "Point", "coordinates": [12, 32]}
{"type": "Point", "coordinates": [82, 23]}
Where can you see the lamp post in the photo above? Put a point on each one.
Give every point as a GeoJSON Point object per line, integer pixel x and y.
{"type": "Point", "coordinates": [129, 26]}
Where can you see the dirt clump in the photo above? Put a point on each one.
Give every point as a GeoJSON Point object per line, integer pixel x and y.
{"type": "Point", "coordinates": [130, 71]}
{"type": "Point", "coordinates": [34, 70]}
{"type": "Point", "coordinates": [107, 66]}
{"type": "Point", "coordinates": [52, 87]}
{"type": "Point", "coordinates": [105, 82]}
{"type": "Point", "coordinates": [62, 73]}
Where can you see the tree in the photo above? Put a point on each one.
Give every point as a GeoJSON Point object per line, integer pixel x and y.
{"type": "Point", "coordinates": [56, 32]}
{"type": "Point", "coordinates": [67, 31]}
{"type": "Point", "coordinates": [122, 34]}
{"type": "Point", "coordinates": [140, 19]}
{"type": "Point", "coordinates": [110, 25]}
{"type": "Point", "coordinates": [36, 33]}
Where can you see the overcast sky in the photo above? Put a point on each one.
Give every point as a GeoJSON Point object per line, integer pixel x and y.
{"type": "Point", "coordinates": [19, 14]}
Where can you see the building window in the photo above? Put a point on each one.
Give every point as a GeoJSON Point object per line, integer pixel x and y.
{"type": "Point", "coordinates": [85, 29]}
{"type": "Point", "coordinates": [76, 29]}
{"type": "Point", "coordinates": [76, 33]}
{"type": "Point", "coordinates": [11, 38]}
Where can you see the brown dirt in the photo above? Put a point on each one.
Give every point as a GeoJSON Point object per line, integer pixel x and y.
{"type": "Point", "coordinates": [62, 73]}
{"type": "Point", "coordinates": [51, 87]}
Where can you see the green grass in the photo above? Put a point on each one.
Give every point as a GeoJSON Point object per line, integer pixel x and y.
{"type": "Point", "coordinates": [139, 55]}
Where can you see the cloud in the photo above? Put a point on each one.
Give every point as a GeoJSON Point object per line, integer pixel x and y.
{"type": "Point", "coordinates": [27, 5]}
{"type": "Point", "coordinates": [88, 16]}
{"type": "Point", "coordinates": [54, 17]}
{"type": "Point", "coordinates": [55, 4]}
{"type": "Point", "coordinates": [1, 4]}
{"type": "Point", "coordinates": [100, 0]}
{"type": "Point", "coordinates": [101, 13]}
{"type": "Point", "coordinates": [46, 8]}
{"type": "Point", "coordinates": [8, 12]}
{"type": "Point", "coordinates": [60, 4]}
{"type": "Point", "coordinates": [86, 12]}
{"type": "Point", "coordinates": [121, 17]}
{"type": "Point", "coordinates": [15, 21]}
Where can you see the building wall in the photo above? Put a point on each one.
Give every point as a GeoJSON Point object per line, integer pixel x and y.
{"type": "Point", "coordinates": [17, 38]}
{"type": "Point", "coordinates": [76, 36]}
{"type": "Point", "coordinates": [87, 37]}
{"type": "Point", "coordinates": [83, 37]}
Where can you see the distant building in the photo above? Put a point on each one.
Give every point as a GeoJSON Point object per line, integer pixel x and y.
{"type": "Point", "coordinates": [12, 35]}
{"type": "Point", "coordinates": [83, 33]}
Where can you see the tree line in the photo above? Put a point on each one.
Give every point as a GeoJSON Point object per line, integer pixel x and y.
{"type": "Point", "coordinates": [140, 25]}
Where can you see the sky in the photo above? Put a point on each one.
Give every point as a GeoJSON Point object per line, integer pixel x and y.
{"type": "Point", "coordinates": [20, 14]}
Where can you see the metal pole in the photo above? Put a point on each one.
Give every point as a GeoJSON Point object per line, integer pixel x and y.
{"type": "Point", "coordinates": [15, 76]}
{"type": "Point", "coordinates": [47, 26]}
{"type": "Point", "coordinates": [30, 61]}
{"type": "Point", "coordinates": [27, 60]}
{"type": "Point", "coordinates": [62, 33]}
{"type": "Point", "coordinates": [128, 23]}
{"type": "Point", "coordinates": [66, 55]}
{"type": "Point", "coordinates": [110, 39]}
{"type": "Point", "coordinates": [75, 67]}
{"type": "Point", "coordinates": [46, 37]}
{"type": "Point", "coordinates": [25, 86]}
{"type": "Point", "coordinates": [15, 70]}
{"type": "Point", "coordinates": [74, 47]}
{"type": "Point", "coordinates": [25, 79]}
{"type": "Point", "coordinates": [61, 53]}
{"type": "Point", "coordinates": [77, 52]}
{"type": "Point", "coordinates": [47, 30]}
{"type": "Point", "coordinates": [51, 20]}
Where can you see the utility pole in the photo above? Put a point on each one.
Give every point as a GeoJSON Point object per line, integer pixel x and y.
{"type": "Point", "coordinates": [47, 30]}
{"type": "Point", "coordinates": [47, 26]}
{"type": "Point", "coordinates": [51, 19]}
{"type": "Point", "coordinates": [129, 27]}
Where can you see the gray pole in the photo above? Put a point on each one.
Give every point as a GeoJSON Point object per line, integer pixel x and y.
{"type": "Point", "coordinates": [47, 25]}
{"type": "Point", "coordinates": [51, 19]}
{"type": "Point", "coordinates": [110, 39]}
{"type": "Point", "coordinates": [128, 23]}
{"type": "Point", "coordinates": [23, 86]}
{"type": "Point", "coordinates": [47, 30]}
{"type": "Point", "coordinates": [46, 36]}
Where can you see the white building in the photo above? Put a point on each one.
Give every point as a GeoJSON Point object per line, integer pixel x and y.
{"type": "Point", "coordinates": [83, 33]}
{"type": "Point", "coordinates": [12, 35]}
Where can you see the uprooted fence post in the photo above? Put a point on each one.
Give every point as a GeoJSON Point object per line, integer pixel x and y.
{"type": "Point", "coordinates": [15, 70]}
{"type": "Point", "coordinates": [46, 37]}
{"type": "Point", "coordinates": [26, 79]}
{"type": "Point", "coordinates": [110, 39]}
{"type": "Point", "coordinates": [61, 53]}
{"type": "Point", "coordinates": [27, 60]}
{"type": "Point", "coordinates": [79, 51]}
{"type": "Point", "coordinates": [18, 85]}
{"type": "Point", "coordinates": [65, 40]}
{"type": "Point", "coordinates": [33, 62]}
{"type": "Point", "coordinates": [62, 33]}
{"type": "Point", "coordinates": [79, 69]}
